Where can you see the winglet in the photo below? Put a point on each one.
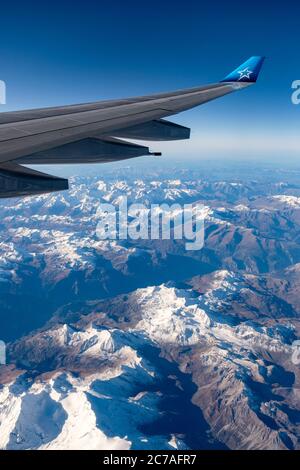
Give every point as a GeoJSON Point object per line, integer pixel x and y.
{"type": "Point", "coordinates": [246, 72]}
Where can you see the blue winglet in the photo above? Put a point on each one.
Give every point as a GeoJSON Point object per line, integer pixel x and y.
{"type": "Point", "coordinates": [247, 72]}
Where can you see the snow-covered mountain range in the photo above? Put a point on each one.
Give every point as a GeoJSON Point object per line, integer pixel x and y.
{"type": "Point", "coordinates": [142, 344]}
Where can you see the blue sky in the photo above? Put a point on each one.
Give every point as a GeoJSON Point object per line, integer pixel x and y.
{"type": "Point", "coordinates": [62, 52]}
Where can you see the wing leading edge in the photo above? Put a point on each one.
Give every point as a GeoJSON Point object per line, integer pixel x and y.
{"type": "Point", "coordinates": [89, 133]}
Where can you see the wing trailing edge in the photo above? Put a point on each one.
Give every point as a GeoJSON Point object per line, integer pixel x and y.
{"type": "Point", "coordinates": [89, 150]}
{"type": "Point", "coordinates": [158, 130]}
{"type": "Point", "coordinates": [16, 180]}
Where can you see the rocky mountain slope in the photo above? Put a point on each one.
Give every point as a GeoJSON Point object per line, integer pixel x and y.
{"type": "Point", "coordinates": [161, 358]}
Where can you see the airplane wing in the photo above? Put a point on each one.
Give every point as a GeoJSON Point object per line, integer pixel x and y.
{"type": "Point", "coordinates": [90, 133]}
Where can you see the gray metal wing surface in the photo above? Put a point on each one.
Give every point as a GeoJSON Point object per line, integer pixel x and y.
{"type": "Point", "coordinates": [90, 133]}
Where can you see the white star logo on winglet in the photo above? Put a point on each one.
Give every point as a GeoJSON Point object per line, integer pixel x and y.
{"type": "Point", "coordinates": [245, 73]}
